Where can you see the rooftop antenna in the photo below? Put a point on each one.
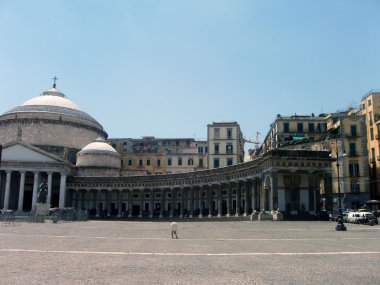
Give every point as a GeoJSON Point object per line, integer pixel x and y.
{"type": "Point", "coordinates": [55, 79]}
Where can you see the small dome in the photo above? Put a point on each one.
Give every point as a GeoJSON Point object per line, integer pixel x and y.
{"type": "Point", "coordinates": [99, 154]}
{"type": "Point", "coordinates": [98, 146]}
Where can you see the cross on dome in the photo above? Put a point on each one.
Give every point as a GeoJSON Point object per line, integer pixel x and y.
{"type": "Point", "coordinates": [55, 79]}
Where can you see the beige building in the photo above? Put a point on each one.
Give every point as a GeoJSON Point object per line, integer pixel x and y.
{"type": "Point", "coordinates": [348, 150]}
{"type": "Point", "coordinates": [150, 155]}
{"type": "Point", "coordinates": [371, 110]}
{"type": "Point", "coordinates": [295, 129]}
{"type": "Point", "coordinates": [225, 144]}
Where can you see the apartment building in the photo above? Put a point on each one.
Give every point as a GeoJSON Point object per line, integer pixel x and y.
{"type": "Point", "coordinates": [295, 129]}
{"type": "Point", "coordinates": [150, 155]}
{"type": "Point", "coordinates": [343, 134]}
{"type": "Point", "coordinates": [370, 109]}
{"type": "Point", "coordinates": [225, 144]}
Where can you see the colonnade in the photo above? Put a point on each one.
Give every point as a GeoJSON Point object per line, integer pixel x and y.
{"type": "Point", "coordinates": [19, 188]}
{"type": "Point", "coordinates": [228, 199]}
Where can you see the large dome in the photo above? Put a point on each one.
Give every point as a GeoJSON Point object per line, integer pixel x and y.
{"type": "Point", "coordinates": [51, 101]}
{"type": "Point", "coordinates": [51, 122]}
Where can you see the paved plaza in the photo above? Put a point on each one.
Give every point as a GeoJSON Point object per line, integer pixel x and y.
{"type": "Point", "coordinates": [236, 252]}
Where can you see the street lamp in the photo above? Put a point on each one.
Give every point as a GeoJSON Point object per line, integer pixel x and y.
{"type": "Point", "coordinates": [340, 225]}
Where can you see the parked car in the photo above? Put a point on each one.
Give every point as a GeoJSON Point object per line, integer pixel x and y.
{"type": "Point", "coordinates": [362, 218]}
{"type": "Point", "coordinates": [334, 215]}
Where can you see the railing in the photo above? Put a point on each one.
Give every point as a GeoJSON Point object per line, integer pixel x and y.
{"type": "Point", "coordinates": [370, 92]}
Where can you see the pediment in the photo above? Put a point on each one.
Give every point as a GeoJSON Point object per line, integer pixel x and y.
{"type": "Point", "coordinates": [24, 152]}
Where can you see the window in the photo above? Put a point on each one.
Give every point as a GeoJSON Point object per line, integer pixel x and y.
{"type": "Point", "coordinates": [321, 127]}
{"type": "Point", "coordinates": [355, 186]}
{"type": "Point", "coordinates": [216, 148]}
{"type": "Point", "coordinates": [129, 162]}
{"type": "Point", "coordinates": [158, 162]}
{"type": "Point", "coordinates": [216, 133]}
{"type": "Point", "coordinates": [229, 149]}
{"type": "Point", "coordinates": [148, 162]}
{"type": "Point", "coordinates": [369, 102]}
{"type": "Point", "coordinates": [179, 161]}
{"type": "Point", "coordinates": [206, 149]}
{"type": "Point", "coordinates": [286, 127]}
{"type": "Point", "coordinates": [229, 134]}
{"type": "Point", "coordinates": [200, 150]}
{"type": "Point", "coordinates": [140, 163]}
{"type": "Point", "coordinates": [216, 162]}
{"type": "Point", "coordinates": [354, 169]}
{"type": "Point", "coordinates": [300, 127]}
{"type": "Point", "coordinates": [371, 134]}
{"type": "Point", "coordinates": [169, 162]}
{"type": "Point", "coordinates": [354, 131]}
{"type": "Point", "coordinates": [353, 149]}
{"type": "Point", "coordinates": [311, 128]}
{"type": "Point", "coordinates": [229, 161]}
{"type": "Point", "coordinates": [370, 118]}
{"type": "Point", "coordinates": [190, 161]}
{"type": "Point", "coordinates": [200, 162]}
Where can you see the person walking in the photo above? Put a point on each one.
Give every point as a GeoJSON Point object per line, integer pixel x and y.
{"type": "Point", "coordinates": [173, 227]}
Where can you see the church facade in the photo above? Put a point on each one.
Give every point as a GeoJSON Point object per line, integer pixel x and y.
{"type": "Point", "coordinates": [51, 140]}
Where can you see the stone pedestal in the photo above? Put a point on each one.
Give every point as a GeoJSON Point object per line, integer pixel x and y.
{"type": "Point", "coordinates": [277, 216]}
{"type": "Point", "coordinates": [42, 209]}
{"type": "Point", "coordinates": [265, 216]}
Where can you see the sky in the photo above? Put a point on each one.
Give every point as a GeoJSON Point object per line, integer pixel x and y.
{"type": "Point", "coordinates": [169, 68]}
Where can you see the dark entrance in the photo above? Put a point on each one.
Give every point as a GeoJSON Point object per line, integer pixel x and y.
{"type": "Point", "coordinates": [135, 210]}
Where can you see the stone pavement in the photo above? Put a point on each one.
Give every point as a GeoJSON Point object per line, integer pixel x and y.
{"type": "Point", "coordinates": [239, 252]}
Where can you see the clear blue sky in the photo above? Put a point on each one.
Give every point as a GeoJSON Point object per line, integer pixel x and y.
{"type": "Point", "coordinates": [169, 68]}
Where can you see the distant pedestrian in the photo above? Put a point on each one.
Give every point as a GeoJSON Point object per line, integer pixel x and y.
{"type": "Point", "coordinates": [173, 227]}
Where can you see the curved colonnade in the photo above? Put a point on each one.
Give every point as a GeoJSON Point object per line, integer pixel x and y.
{"type": "Point", "coordinates": [287, 180]}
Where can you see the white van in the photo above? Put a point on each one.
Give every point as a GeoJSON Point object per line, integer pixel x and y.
{"type": "Point", "coordinates": [354, 217]}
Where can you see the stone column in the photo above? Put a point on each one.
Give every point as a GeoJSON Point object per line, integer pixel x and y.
{"type": "Point", "coordinates": [7, 189]}
{"type": "Point", "coordinates": [130, 203]}
{"type": "Point", "coordinates": [210, 197]}
{"type": "Point", "coordinates": [201, 202]}
{"type": "Point", "coordinates": [246, 198]}
{"type": "Point", "coordinates": [119, 202]}
{"type": "Point", "coordinates": [107, 202]}
{"type": "Point", "coordinates": [229, 190]}
{"type": "Point", "coordinates": [253, 193]}
{"type": "Point", "coordinates": [182, 202]}
{"type": "Point", "coordinates": [151, 203]}
{"type": "Point", "coordinates": [83, 200]}
{"type": "Point", "coordinates": [141, 202]}
{"type": "Point", "coordinates": [293, 191]}
{"type": "Point", "coordinates": [238, 199]}
{"type": "Point", "coordinates": [174, 201]}
{"type": "Point", "coordinates": [97, 202]}
{"type": "Point", "coordinates": [62, 191]}
{"type": "Point", "coordinates": [162, 209]}
{"type": "Point", "coordinates": [220, 198]}
{"type": "Point", "coordinates": [274, 190]}
{"type": "Point", "coordinates": [191, 202]}
{"type": "Point", "coordinates": [312, 202]}
{"type": "Point", "coordinates": [35, 189]}
{"type": "Point", "coordinates": [21, 192]}
{"type": "Point", "coordinates": [50, 180]}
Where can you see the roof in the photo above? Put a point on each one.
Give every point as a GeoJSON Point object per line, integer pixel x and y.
{"type": "Point", "coordinates": [51, 101]}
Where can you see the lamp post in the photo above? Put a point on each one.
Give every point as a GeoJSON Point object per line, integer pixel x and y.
{"type": "Point", "coordinates": [340, 225]}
